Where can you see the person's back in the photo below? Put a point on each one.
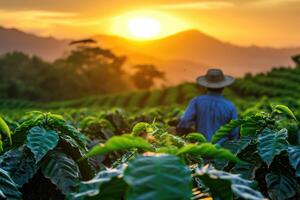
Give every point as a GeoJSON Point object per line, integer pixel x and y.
{"type": "Point", "coordinates": [208, 113]}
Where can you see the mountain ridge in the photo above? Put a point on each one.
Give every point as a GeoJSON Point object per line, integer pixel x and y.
{"type": "Point", "coordinates": [181, 56]}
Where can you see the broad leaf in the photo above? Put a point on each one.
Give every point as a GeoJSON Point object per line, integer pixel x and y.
{"type": "Point", "coordinates": [11, 159]}
{"type": "Point", "coordinates": [223, 184]}
{"type": "Point", "coordinates": [196, 137]}
{"type": "Point", "coordinates": [294, 157]}
{"type": "Point", "coordinates": [40, 141]}
{"type": "Point", "coordinates": [209, 150]}
{"type": "Point", "coordinates": [235, 146]}
{"type": "Point", "coordinates": [4, 128]}
{"type": "Point", "coordinates": [70, 147]}
{"type": "Point", "coordinates": [249, 128]}
{"type": "Point", "coordinates": [115, 189]}
{"type": "Point", "coordinates": [8, 189]}
{"type": "Point", "coordinates": [246, 170]}
{"type": "Point", "coordinates": [100, 186]}
{"type": "Point", "coordinates": [286, 110]}
{"type": "Point", "coordinates": [159, 177]}
{"type": "Point", "coordinates": [280, 186]}
{"type": "Point", "coordinates": [116, 143]}
{"type": "Point", "coordinates": [225, 130]}
{"type": "Point", "coordinates": [61, 170]}
{"type": "Point", "coordinates": [271, 143]}
{"type": "Point", "coordinates": [20, 164]}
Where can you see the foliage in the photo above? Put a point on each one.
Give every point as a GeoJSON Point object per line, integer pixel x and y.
{"type": "Point", "coordinates": [281, 186]}
{"type": "Point", "coordinates": [4, 129]}
{"type": "Point", "coordinates": [61, 170]}
{"type": "Point", "coordinates": [198, 137]}
{"type": "Point", "coordinates": [155, 177]}
{"type": "Point", "coordinates": [145, 75]}
{"type": "Point", "coordinates": [117, 143]}
{"type": "Point", "coordinates": [8, 189]}
{"type": "Point", "coordinates": [40, 141]}
{"type": "Point", "coordinates": [46, 148]}
{"type": "Point", "coordinates": [224, 185]}
{"type": "Point", "coordinates": [271, 144]}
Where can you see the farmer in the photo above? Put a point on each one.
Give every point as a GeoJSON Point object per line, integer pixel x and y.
{"type": "Point", "coordinates": [209, 112]}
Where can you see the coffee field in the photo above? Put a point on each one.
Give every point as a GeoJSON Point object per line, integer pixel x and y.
{"type": "Point", "coordinates": [125, 146]}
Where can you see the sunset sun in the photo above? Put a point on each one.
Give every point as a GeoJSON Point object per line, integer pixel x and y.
{"type": "Point", "coordinates": [147, 25]}
{"type": "Point", "coordinates": [144, 27]}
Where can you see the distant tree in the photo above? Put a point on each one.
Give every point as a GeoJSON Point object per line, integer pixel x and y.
{"type": "Point", "coordinates": [296, 59]}
{"type": "Point", "coordinates": [86, 70]}
{"type": "Point", "coordinates": [145, 76]}
{"type": "Point", "coordinates": [89, 70]}
{"type": "Point", "coordinates": [21, 76]}
{"type": "Point", "coordinates": [83, 41]}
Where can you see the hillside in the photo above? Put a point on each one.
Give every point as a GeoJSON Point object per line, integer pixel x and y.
{"type": "Point", "coordinates": [47, 48]}
{"type": "Point", "coordinates": [278, 84]}
{"type": "Point", "coordinates": [192, 53]}
{"type": "Point", "coordinates": [194, 46]}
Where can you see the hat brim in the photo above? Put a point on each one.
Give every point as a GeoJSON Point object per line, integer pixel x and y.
{"type": "Point", "coordinates": [228, 80]}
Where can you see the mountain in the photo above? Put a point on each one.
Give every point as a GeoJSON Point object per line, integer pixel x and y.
{"type": "Point", "coordinates": [182, 56]}
{"type": "Point", "coordinates": [194, 46]}
{"type": "Point", "coordinates": [46, 47]}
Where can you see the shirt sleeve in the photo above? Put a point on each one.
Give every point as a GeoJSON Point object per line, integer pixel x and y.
{"type": "Point", "coordinates": [188, 119]}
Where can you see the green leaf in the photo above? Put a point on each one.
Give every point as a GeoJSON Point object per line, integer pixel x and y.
{"type": "Point", "coordinates": [8, 189]}
{"type": "Point", "coordinates": [223, 185]}
{"type": "Point", "coordinates": [249, 128]}
{"type": "Point", "coordinates": [10, 160]}
{"type": "Point", "coordinates": [198, 137]}
{"type": "Point", "coordinates": [40, 141]}
{"type": "Point", "coordinates": [61, 170]}
{"type": "Point", "coordinates": [246, 170]}
{"type": "Point", "coordinates": [4, 128]}
{"type": "Point", "coordinates": [235, 146]}
{"type": "Point", "coordinates": [105, 185]}
{"type": "Point", "coordinates": [225, 130]}
{"type": "Point", "coordinates": [271, 143]}
{"type": "Point", "coordinates": [70, 147]}
{"type": "Point", "coordinates": [116, 143]}
{"type": "Point", "coordinates": [21, 131]}
{"type": "Point", "coordinates": [140, 127]}
{"type": "Point", "coordinates": [159, 177]}
{"type": "Point", "coordinates": [1, 144]}
{"type": "Point", "coordinates": [286, 110]}
{"type": "Point", "coordinates": [280, 186]}
{"type": "Point", "coordinates": [294, 157]}
{"type": "Point", "coordinates": [20, 164]}
{"type": "Point", "coordinates": [113, 190]}
{"type": "Point", "coordinates": [209, 150]}
{"type": "Point", "coordinates": [219, 188]}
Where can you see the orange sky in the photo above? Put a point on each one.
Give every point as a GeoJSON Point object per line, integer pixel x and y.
{"type": "Point", "coordinates": [260, 22]}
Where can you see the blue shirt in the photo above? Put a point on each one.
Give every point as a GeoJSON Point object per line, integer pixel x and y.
{"type": "Point", "coordinates": [208, 113]}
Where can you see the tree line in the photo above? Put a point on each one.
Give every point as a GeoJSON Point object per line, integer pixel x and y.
{"type": "Point", "coordinates": [86, 70]}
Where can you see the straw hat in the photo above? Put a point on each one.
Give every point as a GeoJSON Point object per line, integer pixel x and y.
{"type": "Point", "coordinates": [215, 79]}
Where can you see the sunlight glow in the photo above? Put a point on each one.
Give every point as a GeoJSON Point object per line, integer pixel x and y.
{"type": "Point", "coordinates": [147, 25]}
{"type": "Point", "coordinates": [144, 27]}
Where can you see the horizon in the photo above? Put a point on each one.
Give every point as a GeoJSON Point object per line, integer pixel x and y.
{"type": "Point", "coordinates": [149, 40]}
{"type": "Point", "coordinates": [257, 23]}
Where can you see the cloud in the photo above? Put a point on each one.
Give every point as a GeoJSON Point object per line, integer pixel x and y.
{"type": "Point", "coordinates": [273, 2]}
{"type": "Point", "coordinates": [38, 15]}
{"type": "Point", "coordinates": [205, 5]}
{"type": "Point", "coordinates": [48, 22]}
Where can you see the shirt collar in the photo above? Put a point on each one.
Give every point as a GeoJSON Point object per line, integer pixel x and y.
{"type": "Point", "coordinates": [211, 93]}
